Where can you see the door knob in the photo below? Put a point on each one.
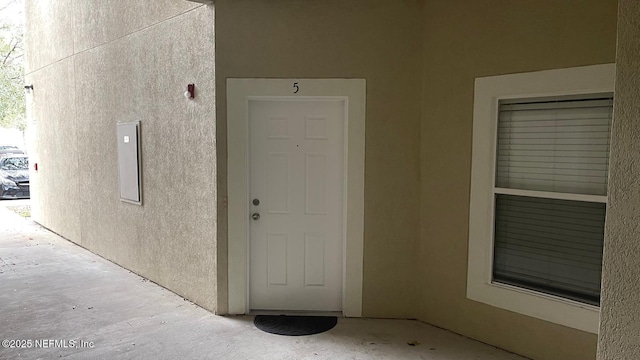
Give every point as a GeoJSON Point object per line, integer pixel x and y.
{"type": "Point", "coordinates": [255, 216]}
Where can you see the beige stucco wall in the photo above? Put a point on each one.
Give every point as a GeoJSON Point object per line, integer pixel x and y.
{"type": "Point", "coordinates": [465, 39]}
{"type": "Point", "coordinates": [94, 64]}
{"type": "Point", "coordinates": [375, 40]}
{"type": "Point", "coordinates": [619, 336]}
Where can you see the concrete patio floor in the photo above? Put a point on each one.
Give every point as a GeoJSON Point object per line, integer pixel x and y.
{"type": "Point", "coordinates": [52, 290]}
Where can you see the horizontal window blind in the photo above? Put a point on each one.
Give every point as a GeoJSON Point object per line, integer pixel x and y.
{"type": "Point", "coordinates": [551, 246]}
{"type": "Point", "coordinates": [554, 145]}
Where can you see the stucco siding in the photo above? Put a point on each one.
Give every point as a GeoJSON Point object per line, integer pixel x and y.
{"type": "Point", "coordinates": [375, 40]}
{"type": "Point", "coordinates": [465, 40]}
{"type": "Point", "coordinates": [52, 115]}
{"type": "Point", "coordinates": [130, 63]}
{"type": "Point", "coordinates": [620, 313]}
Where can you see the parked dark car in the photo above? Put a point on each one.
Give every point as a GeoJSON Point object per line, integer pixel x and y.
{"type": "Point", "coordinates": [14, 177]}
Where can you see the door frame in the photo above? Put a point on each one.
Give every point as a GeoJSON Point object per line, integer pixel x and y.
{"type": "Point", "coordinates": [239, 92]}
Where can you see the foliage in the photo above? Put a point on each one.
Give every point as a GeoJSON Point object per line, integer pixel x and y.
{"type": "Point", "coordinates": [12, 102]}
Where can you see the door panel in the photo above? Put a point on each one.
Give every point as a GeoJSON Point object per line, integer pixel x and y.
{"type": "Point", "coordinates": [315, 191]}
{"type": "Point", "coordinates": [296, 174]}
{"type": "Point", "coordinates": [277, 183]}
{"type": "Point", "coordinates": [277, 259]}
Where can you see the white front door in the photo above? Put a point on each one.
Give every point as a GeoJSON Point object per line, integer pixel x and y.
{"type": "Point", "coordinates": [296, 204]}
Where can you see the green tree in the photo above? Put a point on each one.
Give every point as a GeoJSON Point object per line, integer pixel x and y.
{"type": "Point", "coordinates": [12, 102]}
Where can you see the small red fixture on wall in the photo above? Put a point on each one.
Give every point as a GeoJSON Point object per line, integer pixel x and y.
{"type": "Point", "coordinates": [35, 166]}
{"type": "Point", "coordinates": [191, 91]}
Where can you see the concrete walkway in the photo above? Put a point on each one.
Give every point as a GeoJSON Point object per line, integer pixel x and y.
{"type": "Point", "coordinates": [58, 300]}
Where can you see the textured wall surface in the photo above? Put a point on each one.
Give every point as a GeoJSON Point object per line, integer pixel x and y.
{"type": "Point", "coordinates": [48, 32]}
{"type": "Point", "coordinates": [55, 195]}
{"type": "Point", "coordinates": [130, 63]}
{"type": "Point", "coordinates": [97, 22]}
{"type": "Point", "coordinates": [375, 40]}
{"type": "Point", "coordinates": [466, 39]}
{"type": "Point", "coordinates": [619, 336]}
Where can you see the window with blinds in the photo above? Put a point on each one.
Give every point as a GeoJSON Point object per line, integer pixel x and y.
{"type": "Point", "coordinates": [550, 191]}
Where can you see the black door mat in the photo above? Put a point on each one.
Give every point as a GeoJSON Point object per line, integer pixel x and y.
{"type": "Point", "coordinates": [294, 325]}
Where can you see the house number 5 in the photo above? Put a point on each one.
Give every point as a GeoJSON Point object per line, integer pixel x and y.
{"type": "Point", "coordinates": [296, 87]}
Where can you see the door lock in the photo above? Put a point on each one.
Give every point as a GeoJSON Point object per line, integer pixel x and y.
{"type": "Point", "coordinates": [256, 202]}
{"type": "Point", "coordinates": [255, 216]}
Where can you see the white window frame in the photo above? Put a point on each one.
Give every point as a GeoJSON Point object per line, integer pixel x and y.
{"type": "Point", "coordinates": [487, 94]}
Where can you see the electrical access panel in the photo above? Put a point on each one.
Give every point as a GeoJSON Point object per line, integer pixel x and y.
{"type": "Point", "coordinates": [129, 169]}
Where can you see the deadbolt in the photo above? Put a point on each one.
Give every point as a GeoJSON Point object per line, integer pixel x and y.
{"type": "Point", "coordinates": [256, 202]}
{"type": "Point", "coordinates": [255, 216]}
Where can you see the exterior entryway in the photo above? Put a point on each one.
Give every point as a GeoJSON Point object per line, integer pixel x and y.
{"type": "Point", "coordinates": [296, 146]}
{"type": "Point", "coordinates": [296, 190]}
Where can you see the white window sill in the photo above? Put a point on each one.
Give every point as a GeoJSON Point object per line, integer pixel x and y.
{"type": "Point", "coordinates": [535, 304]}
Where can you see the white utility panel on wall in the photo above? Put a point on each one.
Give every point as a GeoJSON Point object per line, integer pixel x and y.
{"type": "Point", "coordinates": [129, 162]}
